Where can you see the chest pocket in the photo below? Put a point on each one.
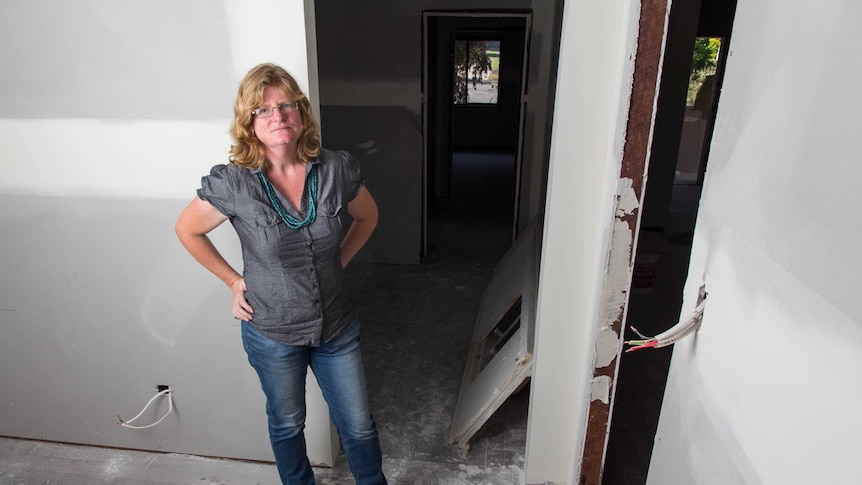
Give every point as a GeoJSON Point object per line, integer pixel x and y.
{"type": "Point", "coordinates": [264, 217]}
{"type": "Point", "coordinates": [328, 226]}
{"type": "Point", "coordinates": [270, 232]}
{"type": "Point", "coordinates": [330, 210]}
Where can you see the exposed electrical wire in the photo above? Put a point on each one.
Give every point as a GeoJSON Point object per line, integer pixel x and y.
{"type": "Point", "coordinates": [639, 334]}
{"type": "Point", "coordinates": [167, 392]}
{"type": "Point", "coordinates": [671, 335]}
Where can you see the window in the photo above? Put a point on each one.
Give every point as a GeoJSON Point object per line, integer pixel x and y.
{"type": "Point", "coordinates": [476, 72]}
{"type": "Point", "coordinates": [699, 104]}
{"type": "Point", "coordinates": [703, 64]}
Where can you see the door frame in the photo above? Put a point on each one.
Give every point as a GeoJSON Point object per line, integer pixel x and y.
{"type": "Point", "coordinates": [652, 25]}
{"type": "Point", "coordinates": [430, 112]}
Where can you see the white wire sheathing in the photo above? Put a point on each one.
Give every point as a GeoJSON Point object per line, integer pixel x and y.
{"type": "Point", "coordinates": [671, 335]}
{"type": "Point", "coordinates": [167, 392]}
{"type": "Point", "coordinates": [681, 329]}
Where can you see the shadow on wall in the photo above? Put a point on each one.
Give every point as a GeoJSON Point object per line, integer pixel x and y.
{"type": "Point", "coordinates": [389, 149]}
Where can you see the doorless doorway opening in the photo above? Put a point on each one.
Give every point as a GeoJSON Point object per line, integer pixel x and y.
{"type": "Point", "coordinates": [474, 67]}
{"type": "Point", "coordinates": [696, 50]}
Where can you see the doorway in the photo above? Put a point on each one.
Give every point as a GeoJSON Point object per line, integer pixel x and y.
{"type": "Point", "coordinates": [473, 107]}
{"type": "Point", "coordinates": [695, 55]}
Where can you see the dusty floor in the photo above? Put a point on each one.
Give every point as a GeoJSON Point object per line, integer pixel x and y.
{"type": "Point", "coordinates": [37, 463]}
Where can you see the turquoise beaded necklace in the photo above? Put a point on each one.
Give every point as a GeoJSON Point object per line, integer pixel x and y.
{"type": "Point", "coordinates": [310, 188]}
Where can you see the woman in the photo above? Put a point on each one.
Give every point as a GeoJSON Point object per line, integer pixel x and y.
{"type": "Point", "coordinates": [285, 197]}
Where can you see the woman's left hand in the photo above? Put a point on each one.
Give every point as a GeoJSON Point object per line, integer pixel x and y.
{"type": "Point", "coordinates": [363, 210]}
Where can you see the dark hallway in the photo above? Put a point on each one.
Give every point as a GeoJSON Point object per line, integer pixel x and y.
{"type": "Point", "coordinates": [418, 321]}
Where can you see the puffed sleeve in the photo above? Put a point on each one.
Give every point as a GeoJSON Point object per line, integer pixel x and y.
{"type": "Point", "coordinates": [353, 180]}
{"type": "Point", "coordinates": [219, 189]}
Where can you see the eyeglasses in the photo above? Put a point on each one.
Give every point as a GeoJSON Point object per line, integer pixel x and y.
{"type": "Point", "coordinates": [267, 111]}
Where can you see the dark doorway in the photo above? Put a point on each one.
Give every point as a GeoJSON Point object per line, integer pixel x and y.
{"type": "Point", "coordinates": [473, 85]}
{"type": "Point", "coordinates": [687, 105]}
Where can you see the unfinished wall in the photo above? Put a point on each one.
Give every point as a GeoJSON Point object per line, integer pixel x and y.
{"type": "Point", "coordinates": [110, 112]}
{"type": "Point", "coordinates": [767, 391]}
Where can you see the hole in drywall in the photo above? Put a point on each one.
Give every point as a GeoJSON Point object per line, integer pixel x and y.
{"type": "Point", "coordinates": [500, 335]}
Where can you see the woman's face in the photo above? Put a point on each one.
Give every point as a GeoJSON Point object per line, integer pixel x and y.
{"type": "Point", "coordinates": [281, 129]}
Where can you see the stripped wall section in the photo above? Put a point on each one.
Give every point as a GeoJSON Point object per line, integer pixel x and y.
{"type": "Point", "coordinates": [590, 119]}
{"type": "Point", "coordinates": [620, 257]}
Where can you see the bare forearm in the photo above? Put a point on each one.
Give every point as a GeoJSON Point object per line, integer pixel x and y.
{"type": "Point", "coordinates": [357, 236]}
{"type": "Point", "coordinates": [363, 210]}
{"type": "Point", "coordinates": [202, 249]}
{"type": "Point", "coordinates": [193, 225]}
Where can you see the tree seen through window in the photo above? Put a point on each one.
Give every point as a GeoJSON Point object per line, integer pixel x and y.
{"type": "Point", "coordinates": [476, 72]}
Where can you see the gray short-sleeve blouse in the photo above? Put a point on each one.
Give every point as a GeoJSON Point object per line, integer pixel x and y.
{"type": "Point", "coordinates": [294, 276]}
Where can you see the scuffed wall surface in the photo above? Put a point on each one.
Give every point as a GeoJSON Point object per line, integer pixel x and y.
{"type": "Point", "coordinates": [583, 188]}
{"type": "Point", "coordinates": [767, 391]}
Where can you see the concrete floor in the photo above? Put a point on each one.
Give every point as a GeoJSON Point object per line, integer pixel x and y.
{"type": "Point", "coordinates": [417, 325]}
{"type": "Point", "coordinates": [35, 462]}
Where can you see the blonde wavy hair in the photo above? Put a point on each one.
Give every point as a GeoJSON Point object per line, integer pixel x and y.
{"type": "Point", "coordinates": [247, 151]}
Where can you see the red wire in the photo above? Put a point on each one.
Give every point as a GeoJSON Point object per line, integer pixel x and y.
{"type": "Point", "coordinates": [652, 344]}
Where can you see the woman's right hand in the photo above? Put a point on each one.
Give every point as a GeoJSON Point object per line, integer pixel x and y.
{"type": "Point", "coordinates": [241, 309]}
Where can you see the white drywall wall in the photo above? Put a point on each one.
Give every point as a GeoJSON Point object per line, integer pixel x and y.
{"type": "Point", "coordinates": [586, 153]}
{"type": "Point", "coordinates": [140, 90]}
{"type": "Point", "coordinates": [768, 390]}
{"type": "Point", "coordinates": [110, 112]}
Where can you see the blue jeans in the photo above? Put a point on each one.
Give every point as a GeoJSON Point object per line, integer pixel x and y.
{"type": "Point", "coordinates": [337, 365]}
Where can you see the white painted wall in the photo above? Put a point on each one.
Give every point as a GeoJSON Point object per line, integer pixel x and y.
{"type": "Point", "coordinates": [768, 391]}
{"type": "Point", "coordinates": [110, 112]}
{"type": "Point", "coordinates": [586, 153]}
